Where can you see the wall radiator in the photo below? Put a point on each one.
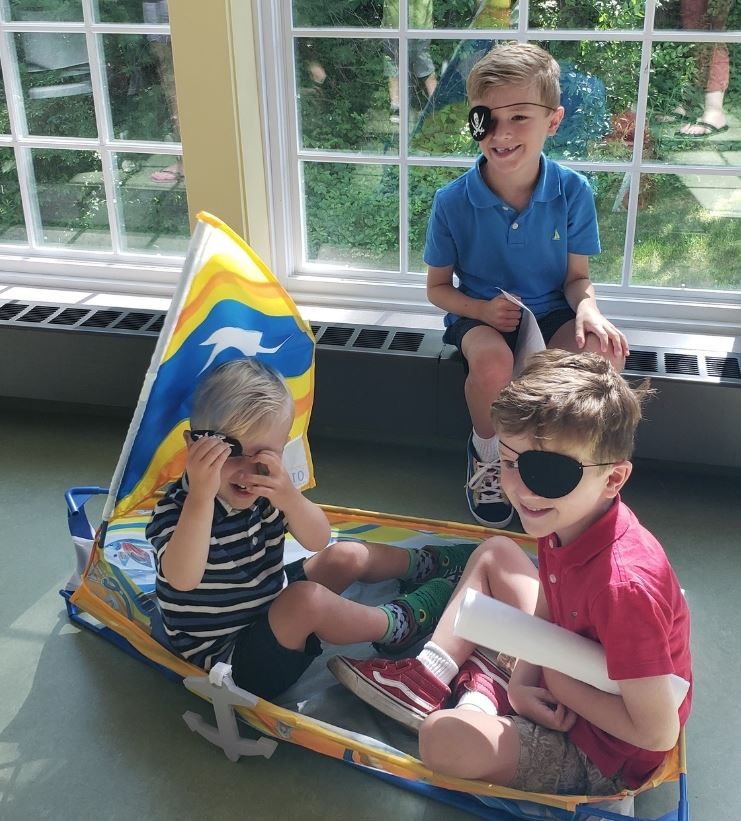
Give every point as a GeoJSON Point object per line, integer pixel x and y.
{"type": "Point", "coordinates": [373, 383]}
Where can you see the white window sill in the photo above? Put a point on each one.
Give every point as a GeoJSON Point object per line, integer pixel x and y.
{"type": "Point", "coordinates": [311, 313]}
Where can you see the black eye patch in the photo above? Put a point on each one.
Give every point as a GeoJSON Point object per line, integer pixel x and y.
{"type": "Point", "coordinates": [550, 475]}
{"type": "Point", "coordinates": [480, 117]}
{"type": "Point", "coordinates": [234, 444]}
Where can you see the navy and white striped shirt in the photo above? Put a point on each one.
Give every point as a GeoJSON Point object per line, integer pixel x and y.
{"type": "Point", "coordinates": [244, 573]}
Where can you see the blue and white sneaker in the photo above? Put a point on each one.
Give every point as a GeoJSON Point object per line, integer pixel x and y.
{"type": "Point", "coordinates": [487, 503]}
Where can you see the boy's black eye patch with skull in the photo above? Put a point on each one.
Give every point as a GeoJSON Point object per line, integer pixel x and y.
{"type": "Point", "coordinates": [480, 118]}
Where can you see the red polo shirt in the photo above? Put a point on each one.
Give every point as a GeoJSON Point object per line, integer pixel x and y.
{"type": "Point", "coordinates": [615, 585]}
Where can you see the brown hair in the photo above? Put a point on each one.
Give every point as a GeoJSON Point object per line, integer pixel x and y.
{"type": "Point", "coordinates": [516, 63]}
{"type": "Point", "coordinates": [572, 398]}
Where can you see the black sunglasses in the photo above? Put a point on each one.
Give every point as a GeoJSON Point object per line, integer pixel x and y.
{"type": "Point", "coordinates": [480, 118]}
{"type": "Point", "coordinates": [550, 475]}
{"type": "Point", "coordinates": [235, 444]}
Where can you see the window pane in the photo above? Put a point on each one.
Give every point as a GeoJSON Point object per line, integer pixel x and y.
{"type": "Point", "coordinates": [423, 183]}
{"type": "Point", "coordinates": [343, 95]}
{"type": "Point", "coordinates": [699, 15]}
{"type": "Point", "coordinates": [587, 14]}
{"type": "Point", "coordinates": [687, 232]}
{"type": "Point", "coordinates": [337, 13]}
{"type": "Point", "coordinates": [71, 198]}
{"type": "Point", "coordinates": [695, 103]}
{"type": "Point", "coordinates": [611, 198]}
{"type": "Point", "coordinates": [55, 78]}
{"type": "Point", "coordinates": [155, 215]}
{"type": "Point", "coordinates": [12, 227]}
{"type": "Point", "coordinates": [133, 11]}
{"type": "Point", "coordinates": [57, 11]}
{"type": "Point", "coordinates": [352, 214]}
{"type": "Point", "coordinates": [141, 87]}
{"type": "Point", "coordinates": [599, 89]}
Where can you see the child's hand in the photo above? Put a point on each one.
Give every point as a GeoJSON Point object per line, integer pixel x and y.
{"type": "Point", "coordinates": [501, 313]}
{"type": "Point", "coordinates": [538, 705]}
{"type": "Point", "coordinates": [206, 457]}
{"type": "Point", "coordinates": [271, 480]}
{"type": "Point", "coordinates": [589, 319]}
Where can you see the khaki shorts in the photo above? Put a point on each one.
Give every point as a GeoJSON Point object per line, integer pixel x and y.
{"type": "Point", "coordinates": [550, 763]}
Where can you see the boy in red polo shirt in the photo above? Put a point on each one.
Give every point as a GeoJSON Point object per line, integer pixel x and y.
{"type": "Point", "coordinates": [567, 428]}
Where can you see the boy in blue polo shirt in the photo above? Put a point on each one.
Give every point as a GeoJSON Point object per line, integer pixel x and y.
{"type": "Point", "coordinates": [520, 223]}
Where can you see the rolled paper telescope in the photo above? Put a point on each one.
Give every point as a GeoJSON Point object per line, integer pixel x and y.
{"type": "Point", "coordinates": [499, 626]}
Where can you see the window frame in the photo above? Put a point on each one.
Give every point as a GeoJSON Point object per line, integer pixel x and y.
{"type": "Point", "coordinates": [36, 264]}
{"type": "Point", "coordinates": [660, 308]}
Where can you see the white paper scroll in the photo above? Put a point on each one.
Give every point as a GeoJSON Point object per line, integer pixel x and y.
{"type": "Point", "coordinates": [529, 339]}
{"type": "Point", "coordinates": [498, 626]}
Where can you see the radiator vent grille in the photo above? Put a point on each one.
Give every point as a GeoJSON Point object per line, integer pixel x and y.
{"type": "Point", "coordinates": [682, 363]}
{"type": "Point", "coordinates": [371, 338]}
{"type": "Point", "coordinates": [406, 341]}
{"type": "Point", "coordinates": [642, 362]}
{"type": "Point", "coordinates": [69, 316]}
{"type": "Point", "coordinates": [648, 361]}
{"type": "Point", "coordinates": [723, 368]}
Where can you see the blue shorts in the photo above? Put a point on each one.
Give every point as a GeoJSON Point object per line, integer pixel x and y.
{"type": "Point", "coordinates": [548, 325]}
{"type": "Point", "coordinates": [263, 666]}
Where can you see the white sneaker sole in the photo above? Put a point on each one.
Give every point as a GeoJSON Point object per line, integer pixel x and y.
{"type": "Point", "coordinates": [496, 525]}
{"type": "Point", "coordinates": [367, 692]}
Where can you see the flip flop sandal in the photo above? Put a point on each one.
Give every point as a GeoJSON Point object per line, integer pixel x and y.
{"type": "Point", "coordinates": [709, 132]}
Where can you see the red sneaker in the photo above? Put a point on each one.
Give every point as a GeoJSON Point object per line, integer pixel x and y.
{"type": "Point", "coordinates": [480, 674]}
{"type": "Point", "coordinates": [404, 689]}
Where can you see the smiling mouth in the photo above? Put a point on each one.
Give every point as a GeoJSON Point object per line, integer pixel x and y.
{"type": "Point", "coordinates": [502, 152]}
{"type": "Point", "coordinates": [535, 510]}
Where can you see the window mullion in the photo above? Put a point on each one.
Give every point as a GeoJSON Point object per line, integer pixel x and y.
{"type": "Point", "coordinates": [403, 167]}
{"type": "Point", "coordinates": [634, 174]}
{"type": "Point", "coordinates": [104, 126]}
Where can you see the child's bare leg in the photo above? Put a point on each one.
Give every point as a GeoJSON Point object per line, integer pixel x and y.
{"type": "Point", "coordinates": [499, 568]}
{"type": "Point", "coordinates": [342, 563]}
{"type": "Point", "coordinates": [470, 744]}
{"type": "Point", "coordinates": [307, 607]}
{"type": "Point", "coordinates": [490, 364]}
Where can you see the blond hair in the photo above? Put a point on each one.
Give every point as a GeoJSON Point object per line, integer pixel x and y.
{"type": "Point", "coordinates": [241, 397]}
{"type": "Point", "coordinates": [575, 398]}
{"type": "Point", "coordinates": [516, 63]}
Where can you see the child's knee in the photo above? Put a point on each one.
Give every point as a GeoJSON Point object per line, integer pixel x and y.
{"type": "Point", "coordinates": [431, 741]}
{"type": "Point", "coordinates": [444, 740]}
{"type": "Point", "coordinates": [349, 558]}
{"type": "Point", "coordinates": [495, 553]}
{"type": "Point", "coordinates": [493, 371]}
{"type": "Point", "coordinates": [304, 597]}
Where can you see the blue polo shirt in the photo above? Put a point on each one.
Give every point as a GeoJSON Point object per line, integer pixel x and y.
{"type": "Point", "coordinates": [491, 246]}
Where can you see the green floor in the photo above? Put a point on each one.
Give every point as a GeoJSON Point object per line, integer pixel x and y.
{"type": "Point", "coordinates": [86, 732]}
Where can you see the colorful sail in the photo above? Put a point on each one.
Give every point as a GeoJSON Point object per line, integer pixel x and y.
{"type": "Point", "coordinates": [228, 305]}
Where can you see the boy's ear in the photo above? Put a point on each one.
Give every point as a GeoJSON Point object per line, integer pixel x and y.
{"type": "Point", "coordinates": [618, 476]}
{"type": "Point", "coordinates": [555, 120]}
